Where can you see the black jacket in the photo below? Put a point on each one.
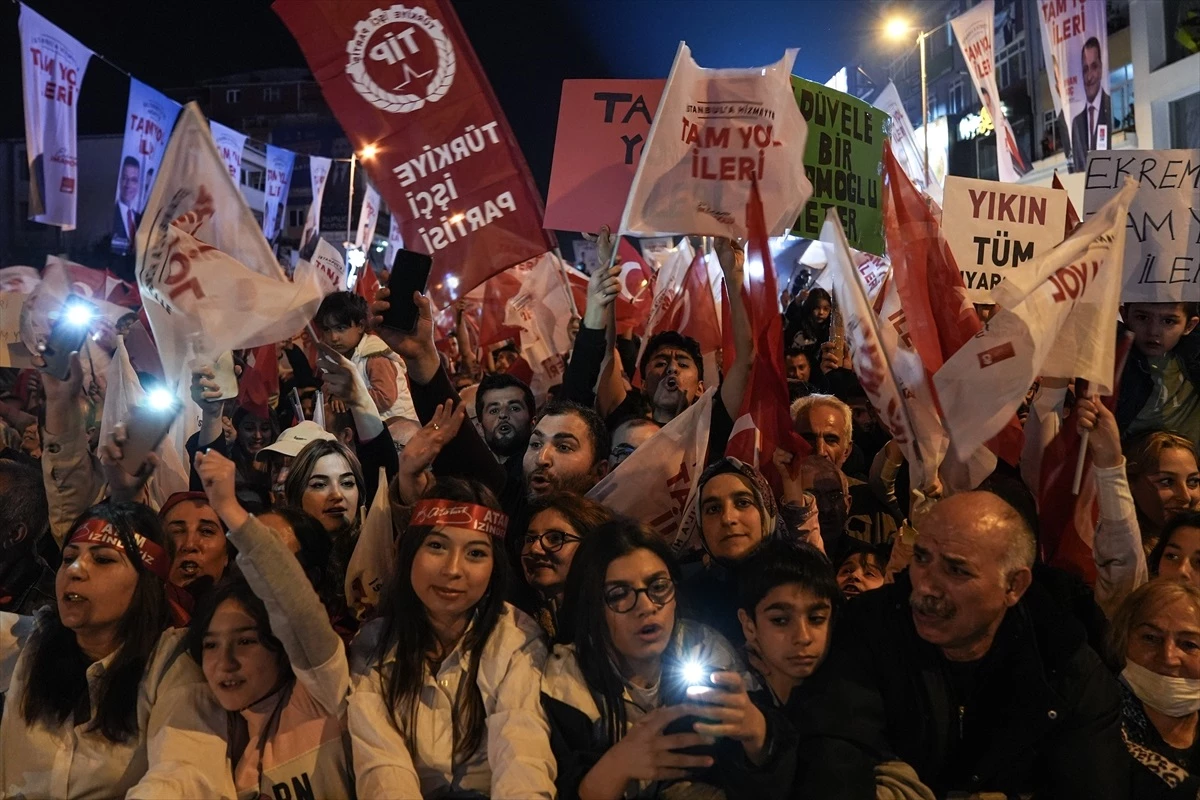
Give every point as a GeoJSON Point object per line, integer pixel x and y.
{"type": "Point", "coordinates": [1043, 717]}
{"type": "Point", "coordinates": [1137, 383]}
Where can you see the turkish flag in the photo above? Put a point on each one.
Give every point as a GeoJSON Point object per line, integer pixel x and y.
{"type": "Point", "coordinates": [764, 422]}
{"type": "Point", "coordinates": [634, 302]}
{"type": "Point", "coordinates": [1072, 214]}
{"type": "Point", "coordinates": [367, 285]}
{"type": "Point", "coordinates": [497, 293]}
{"type": "Point", "coordinates": [941, 317]}
{"type": "Point", "coordinates": [693, 313]}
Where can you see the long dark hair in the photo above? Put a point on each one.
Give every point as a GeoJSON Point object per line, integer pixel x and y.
{"type": "Point", "coordinates": [306, 461]}
{"type": "Point", "coordinates": [584, 621]}
{"type": "Point", "coordinates": [57, 677]}
{"type": "Point", "coordinates": [1184, 519]}
{"type": "Point", "coordinates": [408, 634]}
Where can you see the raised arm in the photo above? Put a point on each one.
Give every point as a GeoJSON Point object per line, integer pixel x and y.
{"type": "Point", "coordinates": [71, 473]}
{"type": "Point", "coordinates": [733, 257]}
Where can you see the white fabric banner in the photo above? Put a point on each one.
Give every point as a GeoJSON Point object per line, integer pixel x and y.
{"type": "Point", "coordinates": [326, 268]}
{"type": "Point", "coordinates": [279, 181]}
{"type": "Point", "coordinates": [368, 217]}
{"type": "Point", "coordinates": [230, 144]}
{"type": "Point", "coordinates": [395, 240]}
{"type": "Point", "coordinates": [975, 31]}
{"type": "Point", "coordinates": [318, 174]}
{"type": "Point", "coordinates": [905, 147]}
{"type": "Point", "coordinates": [1057, 321]}
{"type": "Point", "coordinates": [656, 485]}
{"type": "Point", "coordinates": [872, 362]}
{"type": "Point", "coordinates": [372, 562]}
{"type": "Point", "coordinates": [1162, 252]}
{"type": "Point", "coordinates": [539, 308]}
{"type": "Point", "coordinates": [716, 131]}
{"type": "Point", "coordinates": [149, 118]}
{"type": "Point", "coordinates": [52, 67]}
{"type": "Point", "coordinates": [995, 230]}
{"type": "Point", "coordinates": [204, 267]}
{"type": "Point", "coordinates": [1075, 47]}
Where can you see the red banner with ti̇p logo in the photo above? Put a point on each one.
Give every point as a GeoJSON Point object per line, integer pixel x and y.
{"type": "Point", "coordinates": [404, 81]}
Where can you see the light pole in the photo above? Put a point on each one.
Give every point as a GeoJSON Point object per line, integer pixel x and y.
{"type": "Point", "coordinates": [897, 28]}
{"type": "Point", "coordinates": [350, 199]}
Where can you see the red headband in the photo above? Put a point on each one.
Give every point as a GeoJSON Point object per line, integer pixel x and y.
{"type": "Point", "coordinates": [455, 514]}
{"type": "Point", "coordinates": [97, 531]}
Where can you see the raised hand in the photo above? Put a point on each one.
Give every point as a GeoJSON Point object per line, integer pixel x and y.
{"type": "Point", "coordinates": [123, 486]}
{"type": "Point", "coordinates": [218, 475]}
{"type": "Point", "coordinates": [1104, 439]}
{"type": "Point", "coordinates": [416, 348]}
{"type": "Point", "coordinates": [645, 753]}
{"type": "Point", "coordinates": [424, 447]}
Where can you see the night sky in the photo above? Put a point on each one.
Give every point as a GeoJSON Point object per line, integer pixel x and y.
{"type": "Point", "coordinates": [527, 47]}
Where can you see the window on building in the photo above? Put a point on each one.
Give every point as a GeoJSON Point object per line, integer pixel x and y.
{"type": "Point", "coordinates": [232, 96]}
{"type": "Point", "coordinates": [297, 217]}
{"type": "Point", "coordinates": [1185, 122]}
{"type": "Point", "coordinates": [1181, 30]}
{"type": "Point", "coordinates": [271, 94]}
{"type": "Point", "coordinates": [254, 178]}
{"type": "Point", "coordinates": [951, 13]}
{"type": "Point", "coordinates": [1121, 85]}
{"type": "Point", "coordinates": [1010, 63]}
{"type": "Point", "coordinates": [955, 102]}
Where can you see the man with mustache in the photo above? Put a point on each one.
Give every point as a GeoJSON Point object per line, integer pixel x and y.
{"type": "Point", "coordinates": [968, 672]}
{"type": "Point", "coordinates": [504, 407]}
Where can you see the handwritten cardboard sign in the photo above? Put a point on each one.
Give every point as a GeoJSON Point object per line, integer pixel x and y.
{"type": "Point", "coordinates": [602, 126]}
{"type": "Point", "coordinates": [842, 160]}
{"type": "Point", "coordinates": [1162, 237]}
{"type": "Point", "coordinates": [994, 228]}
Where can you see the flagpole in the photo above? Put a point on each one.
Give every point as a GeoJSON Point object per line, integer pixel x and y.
{"type": "Point", "coordinates": [350, 200]}
{"type": "Point", "coordinates": [1083, 437]}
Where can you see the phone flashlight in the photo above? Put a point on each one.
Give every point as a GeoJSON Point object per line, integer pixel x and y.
{"type": "Point", "coordinates": [78, 314]}
{"type": "Point", "coordinates": [160, 400]}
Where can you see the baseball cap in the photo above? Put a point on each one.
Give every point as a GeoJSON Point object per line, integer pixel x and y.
{"type": "Point", "coordinates": [292, 440]}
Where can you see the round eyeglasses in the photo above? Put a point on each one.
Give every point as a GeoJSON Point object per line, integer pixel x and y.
{"type": "Point", "coordinates": [622, 598]}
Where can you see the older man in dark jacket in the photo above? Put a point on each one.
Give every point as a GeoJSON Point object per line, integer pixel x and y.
{"type": "Point", "coordinates": [967, 672]}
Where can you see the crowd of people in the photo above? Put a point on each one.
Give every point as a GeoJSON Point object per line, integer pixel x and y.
{"type": "Point", "coordinates": [846, 634]}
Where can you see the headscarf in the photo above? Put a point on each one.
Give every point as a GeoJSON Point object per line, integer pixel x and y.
{"type": "Point", "coordinates": [764, 499]}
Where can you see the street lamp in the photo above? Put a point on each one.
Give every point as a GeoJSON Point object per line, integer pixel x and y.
{"type": "Point", "coordinates": [898, 28]}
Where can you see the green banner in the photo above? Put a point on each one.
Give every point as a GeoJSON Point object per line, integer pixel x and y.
{"type": "Point", "coordinates": [842, 158]}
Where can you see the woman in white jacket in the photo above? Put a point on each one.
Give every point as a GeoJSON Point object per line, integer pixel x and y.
{"type": "Point", "coordinates": [85, 679]}
{"type": "Point", "coordinates": [271, 722]}
{"type": "Point", "coordinates": [446, 680]}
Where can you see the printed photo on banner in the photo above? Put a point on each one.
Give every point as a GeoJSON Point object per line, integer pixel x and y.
{"type": "Point", "coordinates": [1162, 248]}
{"type": "Point", "coordinates": [149, 118]}
{"type": "Point", "coordinates": [994, 228]}
{"type": "Point", "coordinates": [1075, 45]}
{"type": "Point", "coordinates": [718, 132]}
{"type": "Point", "coordinates": [842, 161]}
{"type": "Point", "coordinates": [52, 68]}
{"type": "Point", "coordinates": [602, 128]}
{"type": "Point", "coordinates": [318, 175]}
{"type": "Point", "coordinates": [406, 82]}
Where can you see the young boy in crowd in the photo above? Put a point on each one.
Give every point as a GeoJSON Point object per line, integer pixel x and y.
{"type": "Point", "coordinates": [787, 596]}
{"type": "Point", "coordinates": [342, 320]}
{"type": "Point", "coordinates": [1160, 387]}
{"type": "Point", "coordinates": [862, 571]}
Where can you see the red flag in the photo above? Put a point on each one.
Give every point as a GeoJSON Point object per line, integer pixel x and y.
{"type": "Point", "coordinates": [694, 313]}
{"type": "Point", "coordinates": [1072, 214]}
{"type": "Point", "coordinates": [367, 285]}
{"type": "Point", "coordinates": [497, 292]}
{"type": "Point", "coordinates": [636, 299]}
{"type": "Point", "coordinates": [764, 421]}
{"type": "Point", "coordinates": [264, 363]}
{"type": "Point", "coordinates": [1067, 522]}
{"type": "Point", "coordinates": [940, 315]}
{"type": "Point", "coordinates": [407, 88]}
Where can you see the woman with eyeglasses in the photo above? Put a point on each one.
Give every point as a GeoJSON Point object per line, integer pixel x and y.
{"type": "Point", "coordinates": [644, 704]}
{"type": "Point", "coordinates": [557, 524]}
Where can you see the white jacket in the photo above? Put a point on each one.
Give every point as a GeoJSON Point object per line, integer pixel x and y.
{"type": "Point", "coordinates": [514, 762]}
{"type": "Point", "coordinates": [385, 376]}
{"type": "Point", "coordinates": [71, 761]}
{"type": "Point", "coordinates": [1117, 548]}
{"type": "Point", "coordinates": [306, 749]}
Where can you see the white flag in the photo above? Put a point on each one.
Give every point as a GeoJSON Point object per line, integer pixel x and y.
{"type": "Point", "coordinates": [373, 560]}
{"type": "Point", "coordinates": [975, 31]}
{"type": "Point", "coordinates": [1058, 320]}
{"type": "Point", "coordinates": [279, 181]}
{"type": "Point", "coordinates": [125, 391]}
{"type": "Point", "coordinates": [326, 268]}
{"type": "Point", "coordinates": [715, 133]}
{"type": "Point", "coordinates": [908, 151]}
{"type": "Point", "coordinates": [395, 240]}
{"type": "Point", "coordinates": [318, 174]}
{"type": "Point", "coordinates": [230, 144]}
{"type": "Point", "coordinates": [539, 309]}
{"type": "Point", "coordinates": [52, 67]}
{"type": "Point", "coordinates": [368, 216]}
{"type": "Point", "coordinates": [872, 362]}
{"type": "Point", "coordinates": [656, 485]}
{"type": "Point", "coordinates": [203, 264]}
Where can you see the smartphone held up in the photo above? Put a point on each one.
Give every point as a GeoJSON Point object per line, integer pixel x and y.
{"type": "Point", "coordinates": [148, 424]}
{"type": "Point", "coordinates": [410, 274]}
{"type": "Point", "coordinates": [67, 335]}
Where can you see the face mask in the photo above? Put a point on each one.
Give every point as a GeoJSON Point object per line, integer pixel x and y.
{"type": "Point", "coordinates": [1175, 697]}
